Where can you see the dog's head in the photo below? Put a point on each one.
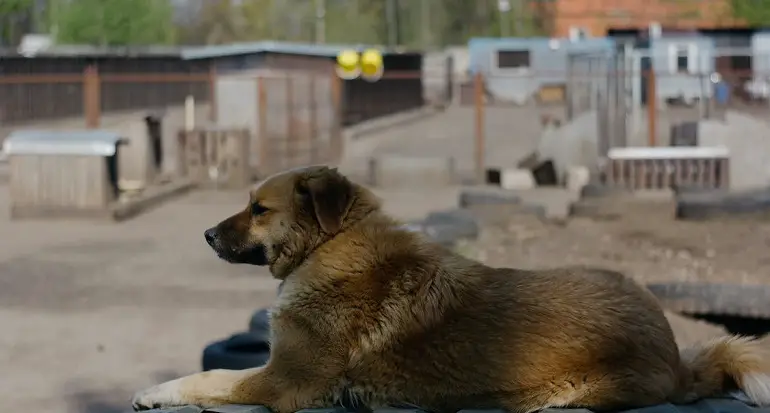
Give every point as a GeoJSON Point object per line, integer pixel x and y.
{"type": "Point", "coordinates": [288, 216]}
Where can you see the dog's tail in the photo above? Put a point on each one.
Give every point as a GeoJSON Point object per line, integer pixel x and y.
{"type": "Point", "coordinates": [726, 365]}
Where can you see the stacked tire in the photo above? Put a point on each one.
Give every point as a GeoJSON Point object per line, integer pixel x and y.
{"type": "Point", "coordinates": [241, 350]}
{"type": "Point", "coordinates": [696, 205]}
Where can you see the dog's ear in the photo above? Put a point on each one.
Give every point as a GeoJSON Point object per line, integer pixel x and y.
{"type": "Point", "coordinates": [331, 196]}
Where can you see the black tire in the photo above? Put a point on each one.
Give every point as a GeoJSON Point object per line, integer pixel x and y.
{"type": "Point", "coordinates": [716, 299]}
{"type": "Point", "coordinates": [462, 221]}
{"type": "Point", "coordinates": [260, 321]}
{"type": "Point", "coordinates": [700, 206]}
{"type": "Point", "coordinates": [594, 190]}
{"type": "Point", "coordinates": [438, 233]}
{"type": "Point", "coordinates": [694, 190]}
{"type": "Point", "coordinates": [487, 196]}
{"type": "Point", "coordinates": [240, 351]}
{"type": "Point", "coordinates": [445, 235]}
{"type": "Point", "coordinates": [448, 227]}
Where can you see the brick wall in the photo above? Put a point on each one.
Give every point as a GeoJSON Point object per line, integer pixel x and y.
{"type": "Point", "coordinates": [597, 16]}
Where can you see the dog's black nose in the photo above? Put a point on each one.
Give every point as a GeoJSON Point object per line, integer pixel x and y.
{"type": "Point", "coordinates": [210, 235]}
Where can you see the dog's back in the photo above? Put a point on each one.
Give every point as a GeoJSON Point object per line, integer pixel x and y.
{"type": "Point", "coordinates": [430, 328]}
{"type": "Point", "coordinates": [434, 329]}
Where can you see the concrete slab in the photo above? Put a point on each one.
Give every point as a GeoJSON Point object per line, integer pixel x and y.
{"type": "Point", "coordinates": [517, 179]}
{"type": "Point", "coordinates": [405, 171]}
{"type": "Point", "coordinates": [510, 135]}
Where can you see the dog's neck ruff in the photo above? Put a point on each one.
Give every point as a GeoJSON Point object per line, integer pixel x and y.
{"type": "Point", "coordinates": [322, 239]}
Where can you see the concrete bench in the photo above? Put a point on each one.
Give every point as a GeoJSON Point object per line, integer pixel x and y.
{"type": "Point", "coordinates": [656, 168]}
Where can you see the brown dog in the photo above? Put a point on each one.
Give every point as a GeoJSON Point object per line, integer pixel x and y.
{"type": "Point", "coordinates": [375, 312]}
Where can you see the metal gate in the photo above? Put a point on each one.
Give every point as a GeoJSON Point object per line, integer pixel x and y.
{"type": "Point", "coordinates": [602, 83]}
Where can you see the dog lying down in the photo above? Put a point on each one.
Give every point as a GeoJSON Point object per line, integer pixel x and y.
{"type": "Point", "coordinates": [375, 313]}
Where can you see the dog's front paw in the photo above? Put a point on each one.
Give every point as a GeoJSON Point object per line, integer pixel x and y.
{"type": "Point", "coordinates": [160, 396]}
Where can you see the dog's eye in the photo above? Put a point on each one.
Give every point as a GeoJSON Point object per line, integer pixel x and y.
{"type": "Point", "coordinates": [257, 209]}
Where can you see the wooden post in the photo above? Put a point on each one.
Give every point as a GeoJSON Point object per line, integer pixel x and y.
{"type": "Point", "coordinates": [92, 96]}
{"type": "Point", "coordinates": [337, 140]}
{"type": "Point", "coordinates": [262, 134]}
{"type": "Point", "coordinates": [291, 132]}
{"type": "Point", "coordinates": [652, 108]}
{"type": "Point", "coordinates": [213, 93]}
{"type": "Point", "coordinates": [313, 127]}
{"type": "Point", "coordinates": [480, 130]}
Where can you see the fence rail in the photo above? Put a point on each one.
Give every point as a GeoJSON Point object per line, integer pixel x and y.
{"type": "Point", "coordinates": [29, 98]}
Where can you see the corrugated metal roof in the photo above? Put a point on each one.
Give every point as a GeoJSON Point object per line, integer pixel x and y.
{"type": "Point", "coordinates": [76, 142]}
{"type": "Point", "coordinates": [324, 50]}
{"type": "Point", "coordinates": [703, 406]}
{"type": "Point", "coordinates": [199, 52]}
{"type": "Point", "coordinates": [79, 50]}
{"type": "Point", "coordinates": [542, 41]}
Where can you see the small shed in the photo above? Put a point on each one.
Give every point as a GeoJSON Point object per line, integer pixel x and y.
{"type": "Point", "coordinates": [515, 69]}
{"type": "Point", "coordinates": [683, 63]}
{"type": "Point", "coordinates": [399, 90]}
{"type": "Point", "coordinates": [289, 115]}
{"type": "Point", "coordinates": [62, 173]}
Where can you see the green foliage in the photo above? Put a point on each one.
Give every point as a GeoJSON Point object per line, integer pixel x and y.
{"type": "Point", "coordinates": [9, 7]}
{"type": "Point", "coordinates": [415, 23]}
{"type": "Point", "coordinates": [755, 12]}
{"type": "Point", "coordinates": [361, 21]}
{"type": "Point", "coordinates": [216, 23]}
{"type": "Point", "coordinates": [12, 12]}
{"type": "Point", "coordinates": [114, 22]}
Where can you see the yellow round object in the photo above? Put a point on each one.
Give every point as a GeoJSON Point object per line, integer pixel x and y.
{"type": "Point", "coordinates": [348, 64]}
{"type": "Point", "coordinates": [371, 64]}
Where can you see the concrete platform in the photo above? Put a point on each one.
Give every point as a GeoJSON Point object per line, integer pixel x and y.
{"type": "Point", "coordinates": [405, 171]}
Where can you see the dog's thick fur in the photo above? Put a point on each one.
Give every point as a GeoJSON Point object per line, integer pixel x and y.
{"type": "Point", "coordinates": [376, 312]}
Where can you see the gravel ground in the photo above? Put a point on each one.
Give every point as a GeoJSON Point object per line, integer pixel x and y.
{"type": "Point", "coordinates": [641, 239]}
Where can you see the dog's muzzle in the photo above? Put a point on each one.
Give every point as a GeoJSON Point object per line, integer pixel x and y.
{"type": "Point", "coordinates": [255, 255]}
{"type": "Point", "coordinates": [211, 237]}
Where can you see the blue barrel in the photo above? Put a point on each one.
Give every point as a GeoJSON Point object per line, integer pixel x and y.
{"type": "Point", "coordinates": [722, 92]}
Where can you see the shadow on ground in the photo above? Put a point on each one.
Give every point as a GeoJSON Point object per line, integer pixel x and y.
{"type": "Point", "coordinates": [114, 401]}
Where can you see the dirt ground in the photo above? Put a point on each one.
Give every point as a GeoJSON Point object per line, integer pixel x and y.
{"type": "Point", "coordinates": [641, 239]}
{"type": "Point", "coordinates": [91, 312]}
